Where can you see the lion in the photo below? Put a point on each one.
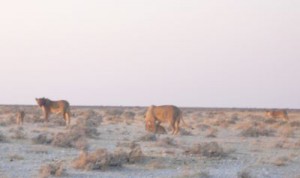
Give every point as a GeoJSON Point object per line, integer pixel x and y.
{"type": "Point", "coordinates": [277, 114]}
{"type": "Point", "coordinates": [57, 107]}
{"type": "Point", "coordinates": [20, 117]}
{"type": "Point", "coordinates": [166, 113]}
{"type": "Point", "coordinates": [151, 128]}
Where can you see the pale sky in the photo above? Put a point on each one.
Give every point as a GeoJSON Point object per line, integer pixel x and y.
{"type": "Point", "coordinates": [202, 53]}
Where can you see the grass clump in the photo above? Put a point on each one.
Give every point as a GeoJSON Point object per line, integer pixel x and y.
{"type": "Point", "coordinates": [70, 140]}
{"type": "Point", "coordinates": [148, 137]}
{"type": "Point", "coordinates": [101, 159]}
{"type": "Point", "coordinates": [53, 169]}
{"type": "Point", "coordinates": [2, 137]}
{"type": "Point", "coordinates": [255, 129]}
{"type": "Point", "coordinates": [43, 138]}
{"type": "Point", "coordinates": [211, 149]}
{"type": "Point", "coordinates": [18, 133]}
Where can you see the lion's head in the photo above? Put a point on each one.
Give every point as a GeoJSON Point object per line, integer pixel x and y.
{"type": "Point", "coordinates": [41, 101]}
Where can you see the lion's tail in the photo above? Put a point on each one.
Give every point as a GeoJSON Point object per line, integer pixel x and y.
{"type": "Point", "coordinates": [186, 125]}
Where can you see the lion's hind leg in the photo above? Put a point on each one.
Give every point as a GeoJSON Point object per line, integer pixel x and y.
{"type": "Point", "coordinates": [177, 123]}
{"type": "Point", "coordinates": [172, 124]}
{"type": "Point", "coordinates": [67, 117]}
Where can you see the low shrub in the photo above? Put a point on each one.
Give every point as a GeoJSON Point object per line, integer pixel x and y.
{"type": "Point", "coordinates": [211, 149]}
{"type": "Point", "coordinates": [101, 159]}
{"type": "Point", "coordinates": [53, 169]}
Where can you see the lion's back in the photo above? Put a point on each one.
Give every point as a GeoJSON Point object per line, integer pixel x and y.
{"type": "Point", "coordinates": [59, 106]}
{"type": "Point", "coordinates": [277, 114]}
{"type": "Point", "coordinates": [166, 113]}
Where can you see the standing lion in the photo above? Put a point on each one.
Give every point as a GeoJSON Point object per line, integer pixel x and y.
{"type": "Point", "coordinates": [57, 107]}
{"type": "Point", "coordinates": [166, 113]}
{"type": "Point", "coordinates": [277, 114]}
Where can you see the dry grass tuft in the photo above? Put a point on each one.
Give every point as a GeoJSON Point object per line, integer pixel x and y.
{"type": "Point", "coordinates": [148, 137]}
{"type": "Point", "coordinates": [101, 159]}
{"type": "Point", "coordinates": [18, 133]}
{"type": "Point", "coordinates": [127, 144]}
{"type": "Point", "coordinates": [69, 140]}
{"type": "Point", "coordinates": [90, 120]}
{"type": "Point", "coordinates": [254, 129]}
{"type": "Point", "coordinates": [53, 169]}
{"type": "Point", "coordinates": [212, 133]}
{"type": "Point", "coordinates": [284, 143]}
{"type": "Point", "coordinates": [184, 132]}
{"type": "Point", "coordinates": [14, 157]}
{"type": "Point", "coordinates": [244, 174]}
{"type": "Point", "coordinates": [113, 115]}
{"type": "Point", "coordinates": [98, 160]}
{"type": "Point", "coordinates": [295, 124]}
{"type": "Point", "coordinates": [76, 136]}
{"type": "Point", "coordinates": [203, 127]}
{"type": "Point", "coordinates": [10, 120]}
{"type": "Point", "coordinates": [286, 131]}
{"type": "Point", "coordinates": [256, 132]}
{"type": "Point", "coordinates": [156, 164]}
{"type": "Point", "coordinates": [211, 149]}
{"type": "Point", "coordinates": [114, 112]}
{"type": "Point", "coordinates": [188, 174]}
{"type": "Point", "coordinates": [33, 119]}
{"type": "Point", "coordinates": [87, 129]}
{"type": "Point", "coordinates": [135, 154]}
{"type": "Point", "coordinates": [222, 121]}
{"type": "Point", "coordinates": [128, 115]}
{"type": "Point", "coordinates": [281, 161]}
{"type": "Point", "coordinates": [165, 142]}
{"type": "Point", "coordinates": [43, 138]}
{"type": "Point", "coordinates": [3, 138]}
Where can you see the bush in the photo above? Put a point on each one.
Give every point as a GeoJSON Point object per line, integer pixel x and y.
{"type": "Point", "coordinates": [18, 133]}
{"type": "Point", "coordinates": [167, 141]}
{"type": "Point", "coordinates": [43, 138]}
{"type": "Point", "coordinates": [86, 129]}
{"type": "Point", "coordinates": [212, 149]}
{"type": "Point", "coordinates": [244, 174]}
{"type": "Point", "coordinates": [101, 159]}
{"type": "Point", "coordinates": [148, 137]}
{"type": "Point", "coordinates": [70, 139]}
{"type": "Point", "coordinates": [113, 112]}
{"type": "Point", "coordinates": [2, 138]}
{"type": "Point", "coordinates": [92, 161]}
{"type": "Point", "coordinates": [256, 131]}
{"type": "Point", "coordinates": [295, 124]}
{"type": "Point", "coordinates": [128, 115]}
{"type": "Point", "coordinates": [53, 169]}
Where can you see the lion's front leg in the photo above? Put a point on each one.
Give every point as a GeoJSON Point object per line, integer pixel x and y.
{"type": "Point", "coordinates": [46, 116]}
{"type": "Point", "coordinates": [67, 118]}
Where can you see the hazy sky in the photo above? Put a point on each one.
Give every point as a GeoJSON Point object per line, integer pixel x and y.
{"type": "Point", "coordinates": [205, 53]}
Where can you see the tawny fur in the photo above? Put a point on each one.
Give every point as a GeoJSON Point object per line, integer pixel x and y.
{"type": "Point", "coordinates": [277, 114]}
{"type": "Point", "coordinates": [150, 127]}
{"type": "Point", "coordinates": [57, 107]}
{"type": "Point", "coordinates": [166, 113]}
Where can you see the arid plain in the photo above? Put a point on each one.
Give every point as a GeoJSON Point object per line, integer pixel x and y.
{"type": "Point", "coordinates": [112, 142]}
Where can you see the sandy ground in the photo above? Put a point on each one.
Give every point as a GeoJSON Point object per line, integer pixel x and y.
{"type": "Point", "coordinates": [217, 143]}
